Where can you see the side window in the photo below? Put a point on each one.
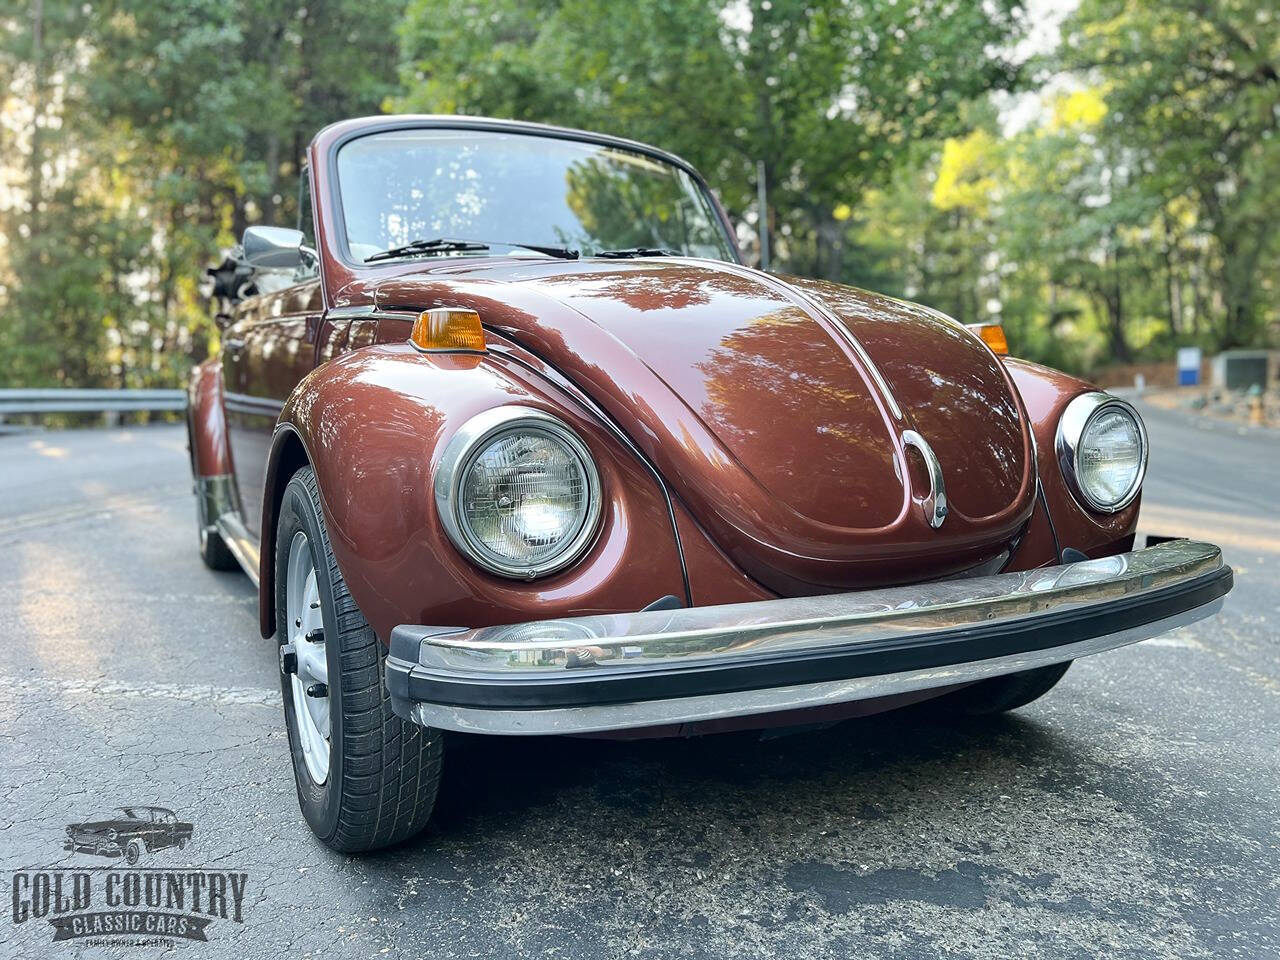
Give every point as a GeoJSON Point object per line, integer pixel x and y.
{"type": "Point", "coordinates": [306, 220]}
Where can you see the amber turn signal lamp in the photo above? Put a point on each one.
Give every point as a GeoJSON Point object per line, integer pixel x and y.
{"type": "Point", "coordinates": [448, 328]}
{"type": "Point", "coordinates": [992, 334]}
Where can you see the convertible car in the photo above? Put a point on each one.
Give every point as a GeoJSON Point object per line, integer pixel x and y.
{"type": "Point", "coordinates": [514, 443]}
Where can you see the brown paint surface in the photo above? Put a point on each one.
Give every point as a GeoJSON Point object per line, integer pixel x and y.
{"type": "Point", "coordinates": [773, 408]}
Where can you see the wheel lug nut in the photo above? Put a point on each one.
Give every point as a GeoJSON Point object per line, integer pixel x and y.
{"type": "Point", "coordinates": [315, 635]}
{"type": "Point", "coordinates": [318, 690]}
{"type": "Point", "coordinates": [288, 658]}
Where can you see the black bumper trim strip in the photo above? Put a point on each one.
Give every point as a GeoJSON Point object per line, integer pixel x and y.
{"type": "Point", "coordinates": [410, 682]}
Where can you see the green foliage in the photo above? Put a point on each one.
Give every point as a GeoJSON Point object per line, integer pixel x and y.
{"type": "Point", "coordinates": [1135, 215]}
{"type": "Point", "coordinates": [827, 94]}
{"type": "Point", "coordinates": [165, 127]}
{"type": "Point", "coordinates": [1193, 91]}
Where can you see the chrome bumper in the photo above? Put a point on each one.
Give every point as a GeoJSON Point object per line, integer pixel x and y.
{"type": "Point", "coordinates": [633, 670]}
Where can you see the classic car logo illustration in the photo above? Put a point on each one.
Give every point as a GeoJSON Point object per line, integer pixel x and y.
{"type": "Point", "coordinates": [128, 904]}
{"type": "Point", "coordinates": [130, 833]}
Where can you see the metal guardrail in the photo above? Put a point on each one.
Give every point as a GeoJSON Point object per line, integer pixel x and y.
{"type": "Point", "coordinates": [57, 400]}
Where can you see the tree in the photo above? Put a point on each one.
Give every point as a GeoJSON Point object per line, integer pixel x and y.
{"type": "Point", "coordinates": [826, 93]}
{"type": "Point", "coordinates": [1194, 93]}
{"type": "Point", "coordinates": [164, 127]}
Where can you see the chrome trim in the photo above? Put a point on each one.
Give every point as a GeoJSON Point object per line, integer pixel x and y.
{"type": "Point", "coordinates": [243, 547]}
{"type": "Point", "coordinates": [814, 305]}
{"type": "Point", "coordinates": [458, 122]}
{"type": "Point", "coordinates": [273, 247]}
{"type": "Point", "coordinates": [935, 504]}
{"type": "Point", "coordinates": [250, 405]}
{"type": "Point", "coordinates": [870, 365]}
{"type": "Point", "coordinates": [371, 312]}
{"type": "Point", "coordinates": [215, 496]}
{"type": "Point", "coordinates": [652, 713]}
{"type": "Point", "coordinates": [547, 371]}
{"type": "Point", "coordinates": [1073, 423]}
{"type": "Point", "coordinates": [808, 623]}
{"type": "Point", "coordinates": [462, 449]}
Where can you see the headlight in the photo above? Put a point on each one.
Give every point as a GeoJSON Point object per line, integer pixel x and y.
{"type": "Point", "coordinates": [518, 493]}
{"type": "Point", "coordinates": [1102, 447]}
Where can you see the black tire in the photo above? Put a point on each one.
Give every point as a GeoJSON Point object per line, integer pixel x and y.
{"type": "Point", "coordinates": [384, 772]}
{"type": "Point", "coordinates": [213, 549]}
{"type": "Point", "coordinates": [133, 852]}
{"type": "Point", "coordinates": [1000, 694]}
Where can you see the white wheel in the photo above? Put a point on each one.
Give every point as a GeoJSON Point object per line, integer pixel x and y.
{"type": "Point", "coordinates": [311, 679]}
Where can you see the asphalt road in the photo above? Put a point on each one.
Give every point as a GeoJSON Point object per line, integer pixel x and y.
{"type": "Point", "coordinates": [1134, 812]}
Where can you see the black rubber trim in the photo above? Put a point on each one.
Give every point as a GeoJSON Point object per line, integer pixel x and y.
{"type": "Point", "coordinates": [413, 682]}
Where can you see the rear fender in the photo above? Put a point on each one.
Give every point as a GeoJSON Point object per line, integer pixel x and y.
{"type": "Point", "coordinates": [206, 422]}
{"type": "Point", "coordinates": [211, 471]}
{"type": "Point", "coordinates": [373, 424]}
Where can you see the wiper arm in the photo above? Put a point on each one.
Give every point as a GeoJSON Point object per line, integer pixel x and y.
{"type": "Point", "coordinates": [564, 253]}
{"type": "Point", "coordinates": [450, 245]}
{"type": "Point", "coordinates": [637, 252]}
{"type": "Point", "coordinates": [426, 247]}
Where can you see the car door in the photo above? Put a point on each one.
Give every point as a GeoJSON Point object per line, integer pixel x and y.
{"type": "Point", "coordinates": [265, 352]}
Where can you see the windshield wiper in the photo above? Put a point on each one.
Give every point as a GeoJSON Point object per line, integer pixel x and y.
{"type": "Point", "coordinates": [450, 245]}
{"type": "Point", "coordinates": [636, 252]}
{"type": "Point", "coordinates": [427, 247]}
{"type": "Point", "coordinates": [564, 253]}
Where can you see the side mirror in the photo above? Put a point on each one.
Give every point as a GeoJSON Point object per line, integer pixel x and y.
{"type": "Point", "coordinates": [273, 247]}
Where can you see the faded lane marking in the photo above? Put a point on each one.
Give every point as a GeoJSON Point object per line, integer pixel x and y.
{"type": "Point", "coordinates": [91, 509]}
{"type": "Point", "coordinates": [120, 690]}
{"type": "Point", "coordinates": [42, 448]}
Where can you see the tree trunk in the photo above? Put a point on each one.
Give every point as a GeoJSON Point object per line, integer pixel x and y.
{"type": "Point", "coordinates": [1172, 291]}
{"type": "Point", "coordinates": [1240, 255]}
{"type": "Point", "coordinates": [35, 186]}
{"type": "Point", "coordinates": [273, 178]}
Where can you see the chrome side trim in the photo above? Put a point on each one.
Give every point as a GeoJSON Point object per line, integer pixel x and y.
{"type": "Point", "coordinates": [215, 496]}
{"type": "Point", "coordinates": [636, 715]}
{"type": "Point", "coordinates": [935, 504]}
{"type": "Point", "coordinates": [243, 547]}
{"type": "Point", "coordinates": [815, 306]}
{"type": "Point", "coordinates": [1072, 426]}
{"type": "Point", "coordinates": [251, 405]}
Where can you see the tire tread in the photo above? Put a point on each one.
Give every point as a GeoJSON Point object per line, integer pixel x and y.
{"type": "Point", "coordinates": [391, 767]}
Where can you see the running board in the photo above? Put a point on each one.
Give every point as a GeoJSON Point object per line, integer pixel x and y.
{"type": "Point", "coordinates": [242, 546]}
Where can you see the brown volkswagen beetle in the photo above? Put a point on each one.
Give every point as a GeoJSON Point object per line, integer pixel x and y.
{"type": "Point", "coordinates": [514, 443]}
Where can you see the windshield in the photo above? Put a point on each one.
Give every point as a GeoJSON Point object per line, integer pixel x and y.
{"type": "Point", "coordinates": [408, 185]}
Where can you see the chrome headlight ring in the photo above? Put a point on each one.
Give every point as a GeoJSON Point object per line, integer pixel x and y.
{"type": "Point", "coordinates": [473, 439]}
{"type": "Point", "coordinates": [1076, 419]}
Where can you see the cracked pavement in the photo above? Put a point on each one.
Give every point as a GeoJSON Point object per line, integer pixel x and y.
{"type": "Point", "coordinates": [1133, 812]}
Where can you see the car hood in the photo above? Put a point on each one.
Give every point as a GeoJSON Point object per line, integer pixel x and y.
{"type": "Point", "coordinates": [776, 408]}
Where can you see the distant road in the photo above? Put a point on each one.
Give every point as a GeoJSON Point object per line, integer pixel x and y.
{"type": "Point", "coordinates": [1134, 812]}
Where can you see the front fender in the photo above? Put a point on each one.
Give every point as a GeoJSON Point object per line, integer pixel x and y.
{"type": "Point", "coordinates": [373, 424]}
{"type": "Point", "coordinates": [1045, 394]}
